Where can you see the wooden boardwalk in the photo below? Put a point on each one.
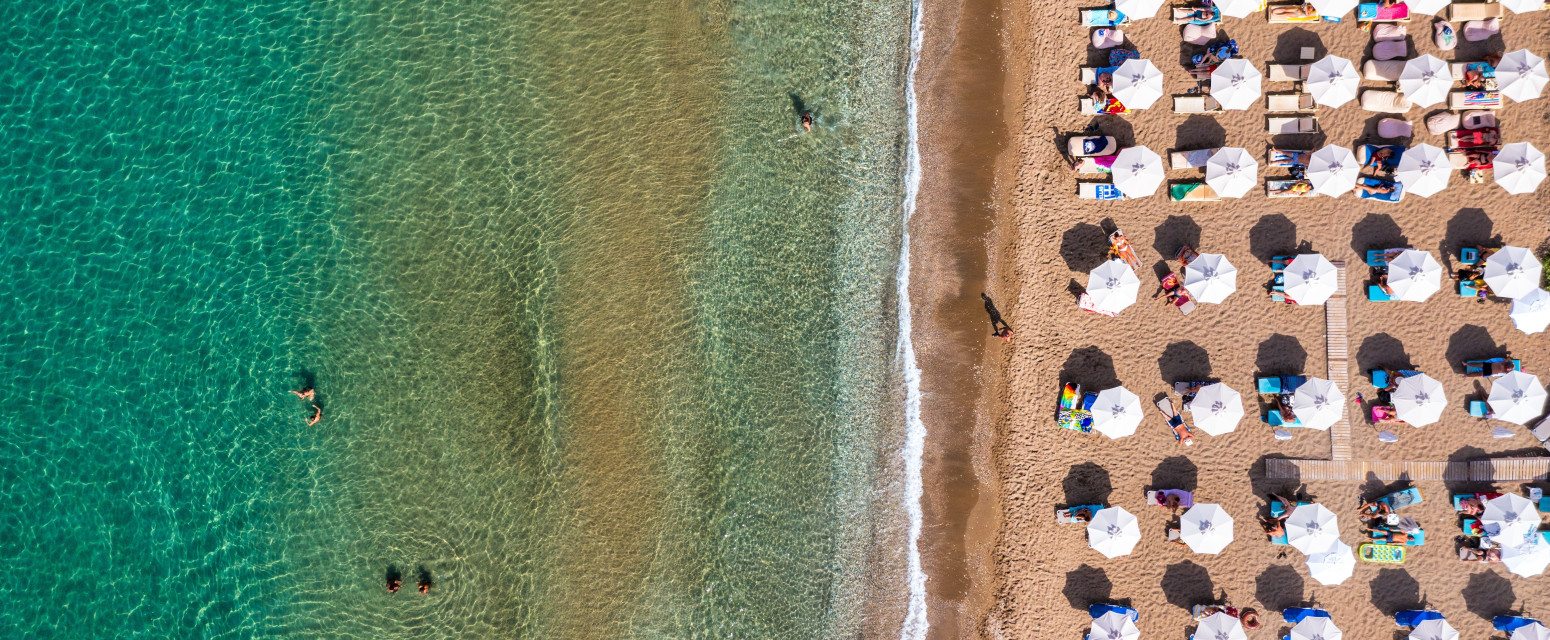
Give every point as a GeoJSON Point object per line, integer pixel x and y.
{"type": "Point", "coordinates": [1337, 350]}
{"type": "Point", "coordinates": [1487, 470]}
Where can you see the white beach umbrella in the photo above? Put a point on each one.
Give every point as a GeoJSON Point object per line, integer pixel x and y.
{"type": "Point", "coordinates": [1528, 560]}
{"type": "Point", "coordinates": [1310, 279]}
{"type": "Point", "coordinates": [1509, 518]}
{"type": "Point", "coordinates": [1429, 7]}
{"type": "Point", "coordinates": [1523, 6]}
{"type": "Point", "coordinates": [1138, 83]}
{"type": "Point", "coordinates": [1138, 9]}
{"type": "Point", "coordinates": [1137, 171]}
{"type": "Point", "coordinates": [1235, 84]}
{"type": "Point", "coordinates": [1312, 528]}
{"type": "Point", "coordinates": [1531, 313]}
{"type": "Point", "coordinates": [1206, 528]}
{"type": "Point", "coordinates": [1333, 170]}
{"type": "Point", "coordinates": [1517, 397]}
{"type": "Point", "coordinates": [1113, 286]}
{"type": "Point", "coordinates": [1239, 8]}
{"type": "Point", "coordinates": [1434, 629]}
{"type": "Point", "coordinates": [1220, 626]}
{"type": "Point", "coordinates": [1521, 75]}
{"type": "Point", "coordinates": [1512, 272]}
{"type": "Point", "coordinates": [1113, 626]}
{"type": "Point", "coordinates": [1317, 627]}
{"type": "Point", "coordinates": [1116, 412]}
{"type": "Point", "coordinates": [1333, 81]}
{"type": "Point", "coordinates": [1532, 631]}
{"type": "Point", "coordinates": [1419, 400]}
{"type": "Point", "coordinates": [1424, 170]}
{"type": "Point", "coordinates": [1414, 275]}
{"type": "Point", "coordinates": [1333, 566]}
{"type": "Point", "coordinates": [1425, 80]}
{"type": "Point", "coordinates": [1519, 168]}
{"type": "Point", "coordinates": [1210, 278]}
{"type": "Point", "coordinates": [1231, 172]}
{"type": "Point", "coordinates": [1216, 409]}
{"type": "Point", "coordinates": [1318, 404]}
{"type": "Point", "coordinates": [1113, 532]}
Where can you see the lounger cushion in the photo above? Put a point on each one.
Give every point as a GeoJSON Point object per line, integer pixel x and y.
{"type": "Point", "coordinates": [1440, 123]}
{"type": "Point", "coordinates": [1477, 119]}
{"type": "Point", "coordinates": [1477, 30]}
{"type": "Point", "coordinates": [1199, 34]}
{"type": "Point", "coordinates": [1383, 70]}
{"type": "Point", "coordinates": [1444, 36]}
{"type": "Point", "coordinates": [1394, 128]}
{"type": "Point", "coordinates": [1460, 11]}
{"type": "Point", "coordinates": [1108, 38]}
{"type": "Point", "coordinates": [1385, 101]}
{"type": "Point", "coordinates": [1388, 31]}
{"type": "Point", "coordinates": [1390, 50]}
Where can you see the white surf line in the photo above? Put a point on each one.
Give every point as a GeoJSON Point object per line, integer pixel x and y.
{"type": "Point", "coordinates": [915, 624]}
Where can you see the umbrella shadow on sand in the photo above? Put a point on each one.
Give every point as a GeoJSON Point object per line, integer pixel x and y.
{"type": "Point", "coordinates": [1088, 585]}
{"type": "Point", "coordinates": [1279, 587]}
{"type": "Point", "coordinates": [1276, 235]}
{"type": "Point", "coordinates": [1395, 590]}
{"type": "Point", "coordinates": [1087, 483]}
{"type": "Point", "coordinates": [1188, 584]}
{"type": "Point", "coordinates": [1488, 594]}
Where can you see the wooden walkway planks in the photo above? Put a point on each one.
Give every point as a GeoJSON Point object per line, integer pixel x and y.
{"type": "Point", "coordinates": [1486, 470]}
{"type": "Point", "coordinates": [1337, 353]}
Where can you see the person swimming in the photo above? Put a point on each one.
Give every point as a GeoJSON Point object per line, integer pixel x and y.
{"type": "Point", "coordinates": [317, 414]}
{"type": "Point", "coordinates": [304, 394]}
{"type": "Point", "coordinates": [393, 584]}
{"type": "Point", "coordinates": [425, 583]}
{"type": "Point", "coordinates": [807, 120]}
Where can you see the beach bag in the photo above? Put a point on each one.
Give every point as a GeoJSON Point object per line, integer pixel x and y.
{"type": "Point", "coordinates": [1441, 123]}
{"type": "Point", "coordinates": [1444, 36]}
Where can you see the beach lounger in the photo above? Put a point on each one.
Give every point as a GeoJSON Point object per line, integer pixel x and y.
{"type": "Point", "coordinates": [1509, 623]}
{"type": "Point", "coordinates": [1372, 12]}
{"type": "Point", "coordinates": [1083, 146]}
{"type": "Point", "coordinates": [1469, 256]}
{"type": "Point", "coordinates": [1195, 103]}
{"type": "Point", "coordinates": [1186, 15]}
{"type": "Point", "coordinates": [1466, 290]}
{"type": "Point", "coordinates": [1064, 516]}
{"type": "Point", "coordinates": [1365, 153]}
{"type": "Point", "coordinates": [1414, 617]}
{"type": "Point", "coordinates": [1459, 498]}
{"type": "Point", "coordinates": [1472, 527]}
{"type": "Point", "coordinates": [1072, 414]}
{"type": "Point", "coordinates": [1385, 414]}
{"type": "Point", "coordinates": [1459, 100]}
{"type": "Point", "coordinates": [1278, 509]}
{"type": "Point", "coordinates": [1098, 191]}
{"type": "Point", "coordinates": [1289, 101]}
{"type": "Point", "coordinates": [1383, 70]}
{"type": "Point", "coordinates": [1190, 159]}
{"type": "Point", "coordinates": [1458, 69]}
{"type": "Point", "coordinates": [1478, 30]}
{"type": "Point", "coordinates": [1174, 284]}
{"type": "Point", "coordinates": [1466, 11]}
{"type": "Point", "coordinates": [1192, 192]}
{"type": "Point", "coordinates": [1286, 72]}
{"type": "Point", "coordinates": [1393, 196]}
{"type": "Point", "coordinates": [1380, 378]}
{"type": "Point", "coordinates": [1294, 616]}
{"type": "Point", "coordinates": [1274, 418]}
{"type": "Point", "coordinates": [1381, 553]}
{"type": "Point", "coordinates": [1099, 610]}
{"type": "Point", "coordinates": [1089, 75]}
{"type": "Point", "coordinates": [1186, 254]}
{"type": "Point", "coordinates": [1155, 498]}
{"type": "Point", "coordinates": [1403, 498]}
{"type": "Point", "coordinates": [1107, 38]}
{"type": "Point", "coordinates": [1093, 166]}
{"type": "Point", "coordinates": [1103, 18]}
{"type": "Point", "coordinates": [1280, 125]}
{"type": "Point", "coordinates": [1395, 128]}
{"type": "Point", "coordinates": [1176, 424]}
{"type": "Point", "coordinates": [1478, 409]}
{"type": "Point", "coordinates": [1283, 189]}
{"type": "Point", "coordinates": [1481, 119]}
{"type": "Point", "coordinates": [1275, 157]}
{"type": "Point", "coordinates": [1113, 108]}
{"type": "Point", "coordinates": [1475, 139]}
{"type": "Point", "coordinates": [1477, 368]}
{"type": "Point", "coordinates": [1461, 160]}
{"type": "Point", "coordinates": [1291, 13]}
{"type": "Point", "coordinates": [1376, 294]}
{"type": "Point", "coordinates": [1119, 247]}
{"type": "Point", "coordinates": [1385, 101]}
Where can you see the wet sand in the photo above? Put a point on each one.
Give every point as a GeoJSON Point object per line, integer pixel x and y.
{"type": "Point", "coordinates": [1045, 575]}
{"type": "Point", "coordinates": [964, 150]}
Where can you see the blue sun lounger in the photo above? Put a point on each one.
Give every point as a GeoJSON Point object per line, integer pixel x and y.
{"type": "Point", "coordinates": [1279, 384]}
{"type": "Point", "coordinates": [1368, 150]}
{"type": "Point", "coordinates": [1469, 255]}
{"type": "Point", "coordinates": [1413, 618]}
{"type": "Point", "coordinates": [1375, 293]}
{"type": "Point", "coordinates": [1380, 378]}
{"type": "Point", "coordinates": [1103, 18]}
{"type": "Point", "coordinates": [1097, 611]}
{"type": "Point", "coordinates": [1467, 291]}
{"type": "Point", "coordinates": [1478, 408]}
{"type": "Point", "coordinates": [1063, 516]}
{"type": "Point", "coordinates": [1477, 367]}
{"type": "Point", "coordinates": [1403, 498]}
{"type": "Point", "coordinates": [1294, 616]}
{"type": "Point", "coordinates": [1393, 196]}
{"type": "Point", "coordinates": [1416, 539]}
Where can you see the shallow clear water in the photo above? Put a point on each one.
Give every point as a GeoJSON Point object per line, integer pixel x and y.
{"type": "Point", "coordinates": [602, 343]}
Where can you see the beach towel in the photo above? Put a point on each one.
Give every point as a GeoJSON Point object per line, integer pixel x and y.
{"type": "Point", "coordinates": [1287, 158]}
{"type": "Point", "coordinates": [1369, 150]}
{"type": "Point", "coordinates": [1192, 192]}
{"type": "Point", "coordinates": [1222, 51]}
{"type": "Point", "coordinates": [1381, 553]}
{"type": "Point", "coordinates": [1092, 146]}
{"type": "Point", "coordinates": [1118, 57]}
{"type": "Point", "coordinates": [1394, 196]}
{"type": "Point", "coordinates": [1103, 18]}
{"type": "Point", "coordinates": [1372, 12]}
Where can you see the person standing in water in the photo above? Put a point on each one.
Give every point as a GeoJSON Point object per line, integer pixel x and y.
{"type": "Point", "coordinates": [807, 120]}
{"type": "Point", "coordinates": [998, 327]}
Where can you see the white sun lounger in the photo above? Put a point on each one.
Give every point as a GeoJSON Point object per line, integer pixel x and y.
{"type": "Point", "coordinates": [1461, 100]}
{"type": "Point", "coordinates": [1465, 11]}
{"type": "Point", "coordinates": [1277, 189]}
{"type": "Point", "coordinates": [1273, 18]}
{"type": "Point", "coordinates": [1289, 101]}
{"type": "Point", "coordinates": [1089, 110]}
{"type": "Point", "coordinates": [1078, 148]}
{"type": "Point", "coordinates": [1289, 125]}
{"type": "Point", "coordinates": [1286, 72]}
{"type": "Point", "coordinates": [1385, 101]}
{"type": "Point", "coordinates": [1190, 158]}
{"type": "Point", "coordinates": [1194, 103]}
{"type": "Point", "coordinates": [1098, 191]}
{"type": "Point", "coordinates": [1103, 18]}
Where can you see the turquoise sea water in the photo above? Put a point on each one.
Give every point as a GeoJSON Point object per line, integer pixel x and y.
{"type": "Point", "coordinates": [603, 344]}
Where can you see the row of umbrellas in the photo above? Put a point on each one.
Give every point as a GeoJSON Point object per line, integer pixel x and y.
{"type": "Point", "coordinates": [1115, 625]}
{"type": "Point", "coordinates": [1424, 170]}
{"type": "Point", "coordinates": [1139, 9]}
{"type": "Point", "coordinates": [1205, 528]}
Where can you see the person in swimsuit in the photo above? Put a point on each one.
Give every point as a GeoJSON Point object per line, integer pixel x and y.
{"type": "Point", "coordinates": [807, 120]}
{"type": "Point", "coordinates": [317, 414]}
{"type": "Point", "coordinates": [304, 394]}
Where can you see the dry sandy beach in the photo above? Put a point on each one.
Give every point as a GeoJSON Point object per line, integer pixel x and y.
{"type": "Point", "coordinates": [1042, 576]}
